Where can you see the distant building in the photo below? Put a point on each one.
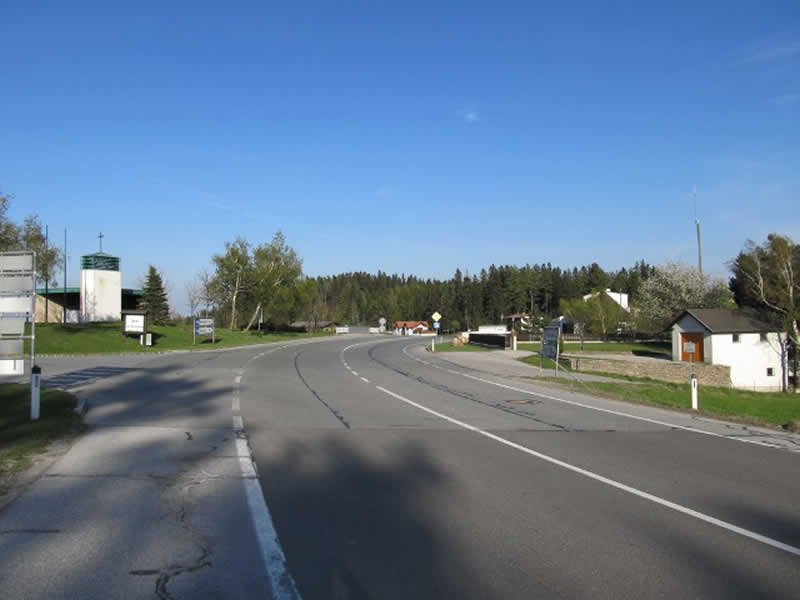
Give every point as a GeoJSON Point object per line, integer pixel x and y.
{"type": "Point", "coordinates": [100, 296]}
{"type": "Point", "coordinates": [720, 336]}
{"type": "Point", "coordinates": [618, 297]}
{"type": "Point", "coordinates": [412, 326]}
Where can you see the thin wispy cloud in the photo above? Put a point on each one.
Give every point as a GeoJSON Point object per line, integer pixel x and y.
{"type": "Point", "coordinates": [786, 99]}
{"type": "Point", "coordinates": [469, 114]}
{"type": "Point", "coordinates": [782, 51]}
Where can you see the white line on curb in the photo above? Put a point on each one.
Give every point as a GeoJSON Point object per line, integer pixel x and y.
{"type": "Point", "coordinates": [610, 482]}
{"type": "Point", "coordinates": [280, 580]}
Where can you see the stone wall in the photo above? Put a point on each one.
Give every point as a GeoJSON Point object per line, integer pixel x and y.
{"type": "Point", "coordinates": [664, 370]}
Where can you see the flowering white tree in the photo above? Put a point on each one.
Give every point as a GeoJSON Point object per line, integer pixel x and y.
{"type": "Point", "coordinates": [675, 287]}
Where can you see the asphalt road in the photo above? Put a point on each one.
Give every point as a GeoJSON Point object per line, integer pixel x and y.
{"type": "Point", "coordinates": [389, 472]}
{"type": "Point", "coordinates": [374, 497]}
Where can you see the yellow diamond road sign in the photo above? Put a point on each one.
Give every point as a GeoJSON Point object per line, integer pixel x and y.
{"type": "Point", "coordinates": [436, 316]}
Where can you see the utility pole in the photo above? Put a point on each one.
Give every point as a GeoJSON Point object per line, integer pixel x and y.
{"type": "Point", "coordinates": [46, 275]}
{"type": "Point", "coordinates": [697, 227]}
{"type": "Point", "coordinates": [64, 312]}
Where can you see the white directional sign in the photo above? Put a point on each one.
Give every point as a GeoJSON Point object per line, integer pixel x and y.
{"type": "Point", "coordinates": [436, 316]}
{"type": "Point", "coordinates": [17, 306]}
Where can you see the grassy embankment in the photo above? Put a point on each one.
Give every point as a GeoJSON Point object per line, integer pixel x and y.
{"type": "Point", "coordinates": [97, 338]}
{"type": "Point", "coordinates": [450, 347]}
{"type": "Point", "coordinates": [761, 408]}
{"type": "Point", "coordinates": [20, 438]}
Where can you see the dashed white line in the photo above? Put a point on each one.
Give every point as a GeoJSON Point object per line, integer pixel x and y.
{"type": "Point", "coordinates": [235, 407]}
{"type": "Point", "coordinates": [354, 372]}
{"type": "Point", "coordinates": [607, 481]}
{"type": "Point", "coordinates": [365, 380]}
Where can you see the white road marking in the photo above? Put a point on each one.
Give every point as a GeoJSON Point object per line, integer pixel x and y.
{"type": "Point", "coordinates": [237, 380]}
{"type": "Point", "coordinates": [365, 380]}
{"type": "Point", "coordinates": [610, 482]}
{"type": "Point", "coordinates": [354, 372]}
{"type": "Point", "coordinates": [235, 407]}
{"type": "Point", "coordinates": [596, 408]}
{"type": "Point", "coordinates": [280, 580]}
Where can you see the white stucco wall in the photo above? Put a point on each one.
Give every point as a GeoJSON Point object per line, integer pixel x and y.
{"type": "Point", "coordinates": [101, 295]}
{"type": "Point", "coordinates": [749, 359]}
{"type": "Point", "coordinates": [690, 324]}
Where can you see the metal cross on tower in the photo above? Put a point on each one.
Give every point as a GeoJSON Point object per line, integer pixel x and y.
{"type": "Point", "coordinates": [101, 236]}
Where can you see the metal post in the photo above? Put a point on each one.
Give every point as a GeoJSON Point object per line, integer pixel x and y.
{"type": "Point", "coordinates": [36, 380]}
{"type": "Point", "coordinates": [33, 316]}
{"type": "Point", "coordinates": [64, 312]}
{"type": "Point", "coordinates": [46, 278]}
{"type": "Point", "coordinates": [558, 347]}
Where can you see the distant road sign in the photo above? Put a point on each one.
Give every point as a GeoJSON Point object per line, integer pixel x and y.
{"type": "Point", "coordinates": [436, 316]}
{"type": "Point", "coordinates": [550, 341]}
{"type": "Point", "coordinates": [203, 326]}
{"type": "Point", "coordinates": [436, 325]}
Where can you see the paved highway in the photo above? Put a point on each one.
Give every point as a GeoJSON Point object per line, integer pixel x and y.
{"type": "Point", "coordinates": [384, 471]}
{"type": "Point", "coordinates": [391, 473]}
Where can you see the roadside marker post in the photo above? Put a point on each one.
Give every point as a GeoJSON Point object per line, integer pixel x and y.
{"type": "Point", "coordinates": [36, 385]}
{"type": "Point", "coordinates": [693, 382]}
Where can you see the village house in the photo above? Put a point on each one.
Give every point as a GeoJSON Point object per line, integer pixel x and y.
{"type": "Point", "coordinates": [720, 336]}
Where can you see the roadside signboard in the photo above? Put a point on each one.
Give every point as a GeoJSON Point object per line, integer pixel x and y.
{"type": "Point", "coordinates": [204, 326]}
{"type": "Point", "coordinates": [17, 307]}
{"type": "Point", "coordinates": [345, 329]}
{"type": "Point", "coordinates": [550, 337]}
{"type": "Point", "coordinates": [133, 323]}
{"type": "Point", "coordinates": [688, 347]}
{"type": "Point", "coordinates": [436, 325]}
{"type": "Point", "coordinates": [436, 316]}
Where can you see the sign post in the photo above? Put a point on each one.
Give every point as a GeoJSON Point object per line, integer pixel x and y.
{"type": "Point", "coordinates": [204, 326]}
{"type": "Point", "coordinates": [436, 318]}
{"type": "Point", "coordinates": [18, 307]}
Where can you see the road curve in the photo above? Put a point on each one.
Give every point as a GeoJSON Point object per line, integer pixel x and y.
{"type": "Point", "coordinates": [391, 473]}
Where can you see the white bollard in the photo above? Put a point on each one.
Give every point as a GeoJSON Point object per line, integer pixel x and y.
{"type": "Point", "coordinates": [693, 383]}
{"type": "Point", "coordinates": [433, 344]}
{"type": "Point", "coordinates": [36, 384]}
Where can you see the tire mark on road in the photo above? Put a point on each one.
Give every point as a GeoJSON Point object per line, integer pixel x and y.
{"type": "Point", "coordinates": [333, 411]}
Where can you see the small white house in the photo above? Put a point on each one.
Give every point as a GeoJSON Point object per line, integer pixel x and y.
{"type": "Point", "coordinates": [720, 336]}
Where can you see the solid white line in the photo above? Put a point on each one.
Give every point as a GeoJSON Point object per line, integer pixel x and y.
{"type": "Point", "coordinates": [610, 482]}
{"type": "Point", "coordinates": [365, 380]}
{"type": "Point", "coordinates": [280, 580]}
{"type": "Point", "coordinates": [596, 408]}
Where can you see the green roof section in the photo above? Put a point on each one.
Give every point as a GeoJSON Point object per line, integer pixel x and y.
{"type": "Point", "coordinates": [56, 290]}
{"type": "Point", "coordinates": [73, 290]}
{"type": "Point", "coordinates": [100, 261]}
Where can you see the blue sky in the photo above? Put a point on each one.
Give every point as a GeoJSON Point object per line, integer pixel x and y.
{"type": "Point", "coordinates": [404, 137]}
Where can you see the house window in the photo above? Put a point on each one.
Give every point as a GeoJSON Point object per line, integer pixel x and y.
{"type": "Point", "coordinates": [735, 338]}
{"type": "Point", "coordinates": [763, 337]}
{"type": "Point", "coordinates": [770, 372]}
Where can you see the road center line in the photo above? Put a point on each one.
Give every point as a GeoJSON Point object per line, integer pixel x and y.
{"type": "Point", "coordinates": [605, 480]}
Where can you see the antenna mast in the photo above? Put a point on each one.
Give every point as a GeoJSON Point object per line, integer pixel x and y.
{"type": "Point", "coordinates": [697, 227]}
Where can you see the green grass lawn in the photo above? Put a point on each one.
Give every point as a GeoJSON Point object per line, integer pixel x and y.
{"type": "Point", "coordinates": [97, 338]}
{"type": "Point", "coordinates": [546, 363]}
{"type": "Point", "coordinates": [449, 347]}
{"type": "Point", "coordinates": [20, 438]}
{"type": "Point", "coordinates": [766, 408]}
{"type": "Point", "coordinates": [643, 348]}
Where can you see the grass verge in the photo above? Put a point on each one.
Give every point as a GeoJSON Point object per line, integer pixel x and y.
{"type": "Point", "coordinates": [22, 439]}
{"type": "Point", "coordinates": [546, 363]}
{"type": "Point", "coordinates": [641, 349]}
{"type": "Point", "coordinates": [450, 347]}
{"type": "Point", "coordinates": [761, 408]}
{"type": "Point", "coordinates": [102, 338]}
